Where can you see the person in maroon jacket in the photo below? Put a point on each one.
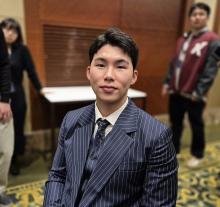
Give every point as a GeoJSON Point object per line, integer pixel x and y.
{"type": "Point", "coordinates": [189, 78]}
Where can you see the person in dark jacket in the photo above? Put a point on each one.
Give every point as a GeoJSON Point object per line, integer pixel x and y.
{"type": "Point", "coordinates": [21, 60]}
{"type": "Point", "coordinates": [6, 123]}
{"type": "Point", "coordinates": [190, 76]}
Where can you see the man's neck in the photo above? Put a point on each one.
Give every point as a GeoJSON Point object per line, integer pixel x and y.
{"type": "Point", "coordinates": [107, 109]}
{"type": "Point", "coordinates": [196, 31]}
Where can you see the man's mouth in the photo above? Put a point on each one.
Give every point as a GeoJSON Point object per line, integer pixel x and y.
{"type": "Point", "coordinates": [108, 89]}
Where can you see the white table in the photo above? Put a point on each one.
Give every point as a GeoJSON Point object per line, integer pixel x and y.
{"type": "Point", "coordinates": [79, 94]}
{"type": "Point", "coordinates": [76, 94]}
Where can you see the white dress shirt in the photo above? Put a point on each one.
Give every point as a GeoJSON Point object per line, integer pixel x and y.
{"type": "Point", "coordinates": [112, 118]}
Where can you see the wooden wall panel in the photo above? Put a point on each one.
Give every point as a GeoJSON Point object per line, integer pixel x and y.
{"type": "Point", "coordinates": [186, 7]}
{"type": "Point", "coordinates": [84, 13]}
{"type": "Point", "coordinates": [217, 18]}
{"type": "Point", "coordinates": [152, 84]}
{"type": "Point", "coordinates": [66, 54]}
{"type": "Point", "coordinates": [34, 35]}
{"type": "Point", "coordinates": [155, 25]}
{"type": "Point", "coordinates": [149, 15]}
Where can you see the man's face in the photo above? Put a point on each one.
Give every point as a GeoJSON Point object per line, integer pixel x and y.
{"type": "Point", "coordinates": [198, 19]}
{"type": "Point", "coordinates": [111, 74]}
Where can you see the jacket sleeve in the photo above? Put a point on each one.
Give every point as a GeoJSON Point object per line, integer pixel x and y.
{"type": "Point", "coordinates": [30, 67]}
{"type": "Point", "coordinates": [206, 78]}
{"type": "Point", "coordinates": [161, 177]}
{"type": "Point", "coordinates": [171, 67]}
{"type": "Point", "coordinates": [5, 71]}
{"type": "Point", "coordinates": [57, 176]}
{"type": "Point", "coordinates": [169, 74]}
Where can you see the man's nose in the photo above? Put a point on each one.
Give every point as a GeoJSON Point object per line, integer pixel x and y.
{"type": "Point", "coordinates": [109, 72]}
{"type": "Point", "coordinates": [198, 16]}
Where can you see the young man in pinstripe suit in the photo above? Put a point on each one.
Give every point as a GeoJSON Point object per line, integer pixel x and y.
{"type": "Point", "coordinates": [134, 164]}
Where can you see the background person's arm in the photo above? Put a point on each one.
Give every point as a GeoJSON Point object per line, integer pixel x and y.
{"type": "Point", "coordinates": [30, 68]}
{"type": "Point", "coordinates": [206, 78]}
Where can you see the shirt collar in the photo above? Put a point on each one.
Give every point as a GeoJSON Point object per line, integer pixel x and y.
{"type": "Point", "coordinates": [201, 31]}
{"type": "Point", "coordinates": [204, 29]}
{"type": "Point", "coordinates": [196, 34]}
{"type": "Point", "coordinates": [112, 118]}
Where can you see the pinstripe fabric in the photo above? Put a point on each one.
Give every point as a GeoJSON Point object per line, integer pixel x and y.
{"type": "Point", "coordinates": [136, 167]}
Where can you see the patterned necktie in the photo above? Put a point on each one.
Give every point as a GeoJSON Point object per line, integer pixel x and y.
{"type": "Point", "coordinates": [99, 137]}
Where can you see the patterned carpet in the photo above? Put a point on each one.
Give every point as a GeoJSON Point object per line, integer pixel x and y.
{"type": "Point", "coordinates": [197, 188]}
{"type": "Point", "coordinates": [200, 187]}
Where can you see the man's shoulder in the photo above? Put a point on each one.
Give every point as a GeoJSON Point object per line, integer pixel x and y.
{"type": "Point", "coordinates": [150, 121]}
{"type": "Point", "coordinates": [75, 114]}
{"type": "Point", "coordinates": [210, 36]}
{"type": "Point", "coordinates": [151, 130]}
{"type": "Point", "coordinates": [76, 118]}
{"type": "Point", "coordinates": [213, 34]}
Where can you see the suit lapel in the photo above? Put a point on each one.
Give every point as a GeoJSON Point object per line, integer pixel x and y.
{"type": "Point", "coordinates": [81, 138]}
{"type": "Point", "coordinates": [117, 144]}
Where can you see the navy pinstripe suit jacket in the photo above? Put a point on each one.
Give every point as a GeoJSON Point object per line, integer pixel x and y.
{"type": "Point", "coordinates": [136, 167]}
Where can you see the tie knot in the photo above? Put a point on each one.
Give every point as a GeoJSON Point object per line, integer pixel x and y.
{"type": "Point", "coordinates": [102, 124]}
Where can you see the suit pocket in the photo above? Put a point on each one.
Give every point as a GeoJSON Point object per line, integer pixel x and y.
{"type": "Point", "coordinates": [132, 166]}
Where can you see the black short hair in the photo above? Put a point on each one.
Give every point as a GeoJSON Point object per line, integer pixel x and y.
{"type": "Point", "coordinates": [10, 23]}
{"type": "Point", "coordinates": [115, 37]}
{"type": "Point", "coordinates": [199, 5]}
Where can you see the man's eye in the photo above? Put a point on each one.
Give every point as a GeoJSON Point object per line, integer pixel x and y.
{"type": "Point", "coordinates": [121, 67]}
{"type": "Point", "coordinates": [100, 65]}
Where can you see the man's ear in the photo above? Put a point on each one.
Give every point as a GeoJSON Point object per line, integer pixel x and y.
{"type": "Point", "coordinates": [88, 72]}
{"type": "Point", "coordinates": [134, 78]}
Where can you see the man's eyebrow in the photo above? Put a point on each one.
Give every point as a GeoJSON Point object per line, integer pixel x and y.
{"type": "Point", "coordinates": [117, 61]}
{"type": "Point", "coordinates": [100, 59]}
{"type": "Point", "coordinates": [122, 61]}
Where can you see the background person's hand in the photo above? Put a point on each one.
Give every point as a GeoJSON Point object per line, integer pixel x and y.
{"type": "Point", "coordinates": [164, 91]}
{"type": "Point", "coordinates": [5, 112]}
